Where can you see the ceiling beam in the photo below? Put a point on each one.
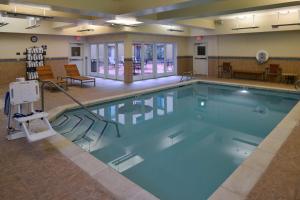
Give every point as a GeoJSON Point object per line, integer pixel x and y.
{"type": "Point", "coordinates": [222, 8]}
{"type": "Point", "coordinates": [198, 23]}
{"type": "Point", "coordinates": [62, 25]}
{"type": "Point", "coordinates": [77, 6]}
{"type": "Point", "coordinates": [41, 12]}
{"type": "Point", "coordinates": [145, 7]}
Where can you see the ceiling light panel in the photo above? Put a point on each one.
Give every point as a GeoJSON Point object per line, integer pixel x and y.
{"type": "Point", "coordinates": [124, 21]}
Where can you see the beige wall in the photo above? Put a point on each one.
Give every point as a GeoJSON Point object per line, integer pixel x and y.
{"type": "Point", "coordinates": [10, 44]}
{"type": "Point", "coordinates": [278, 44]}
{"type": "Point", "coordinates": [240, 50]}
{"type": "Point", "coordinates": [12, 65]}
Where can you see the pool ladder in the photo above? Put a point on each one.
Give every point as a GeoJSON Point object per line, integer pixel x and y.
{"type": "Point", "coordinates": [297, 85]}
{"type": "Point", "coordinates": [98, 117]}
{"type": "Point", "coordinates": [189, 76]}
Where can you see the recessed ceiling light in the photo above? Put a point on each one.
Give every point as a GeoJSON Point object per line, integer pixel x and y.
{"type": "Point", "coordinates": [284, 12]}
{"type": "Point", "coordinates": [124, 21]}
{"type": "Point", "coordinates": [241, 17]}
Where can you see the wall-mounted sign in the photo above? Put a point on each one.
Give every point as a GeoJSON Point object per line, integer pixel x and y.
{"type": "Point", "coordinates": [34, 38]}
{"type": "Point", "coordinates": [199, 38]}
{"type": "Point", "coordinates": [262, 56]}
{"type": "Point", "coordinates": [77, 38]}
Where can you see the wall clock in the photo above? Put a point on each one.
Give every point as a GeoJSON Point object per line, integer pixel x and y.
{"type": "Point", "coordinates": [34, 38]}
{"type": "Point", "coordinates": [262, 56]}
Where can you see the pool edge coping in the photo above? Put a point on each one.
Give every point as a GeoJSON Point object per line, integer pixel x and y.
{"type": "Point", "coordinates": [231, 187]}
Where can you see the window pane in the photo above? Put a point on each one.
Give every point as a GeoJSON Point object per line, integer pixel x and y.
{"type": "Point", "coordinates": [121, 60]}
{"type": "Point", "coordinates": [137, 56]}
{"type": "Point", "coordinates": [101, 59]}
{"type": "Point", "coordinates": [160, 57]}
{"type": "Point", "coordinates": [170, 57]}
{"type": "Point", "coordinates": [148, 59]}
{"type": "Point", "coordinates": [93, 58]}
{"type": "Point", "coordinates": [111, 48]}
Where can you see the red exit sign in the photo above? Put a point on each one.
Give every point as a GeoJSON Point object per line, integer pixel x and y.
{"type": "Point", "coordinates": [199, 38]}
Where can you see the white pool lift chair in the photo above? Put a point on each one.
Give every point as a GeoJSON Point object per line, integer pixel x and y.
{"type": "Point", "coordinates": [26, 93]}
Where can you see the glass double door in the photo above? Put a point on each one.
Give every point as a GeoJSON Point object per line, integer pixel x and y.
{"type": "Point", "coordinates": [143, 61]}
{"type": "Point", "coordinates": [107, 60]}
{"type": "Point", "coordinates": [165, 59]}
{"type": "Point", "coordinates": [153, 60]}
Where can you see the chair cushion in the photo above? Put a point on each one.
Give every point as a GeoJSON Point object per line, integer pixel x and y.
{"type": "Point", "coordinates": [226, 67]}
{"type": "Point", "coordinates": [274, 69]}
{"type": "Point", "coordinates": [83, 78]}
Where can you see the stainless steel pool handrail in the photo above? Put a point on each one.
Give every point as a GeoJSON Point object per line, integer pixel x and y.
{"type": "Point", "coordinates": [100, 118]}
{"type": "Point", "coordinates": [188, 74]}
{"type": "Point", "coordinates": [297, 85]}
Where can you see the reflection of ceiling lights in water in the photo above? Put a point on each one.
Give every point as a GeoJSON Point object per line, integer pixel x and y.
{"type": "Point", "coordinates": [244, 90]}
{"type": "Point", "coordinates": [260, 109]}
{"type": "Point", "coordinates": [135, 108]}
{"type": "Point", "coordinates": [202, 103]}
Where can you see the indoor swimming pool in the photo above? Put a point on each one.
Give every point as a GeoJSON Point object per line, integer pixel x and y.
{"type": "Point", "coordinates": [179, 143]}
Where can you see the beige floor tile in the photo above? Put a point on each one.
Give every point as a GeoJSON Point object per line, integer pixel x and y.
{"type": "Point", "coordinates": [259, 160]}
{"type": "Point", "coordinates": [88, 163]}
{"type": "Point", "coordinates": [224, 194]}
{"type": "Point", "coordinates": [117, 184]}
{"type": "Point", "coordinates": [242, 180]}
{"type": "Point", "coordinates": [144, 195]}
{"type": "Point", "coordinates": [271, 144]}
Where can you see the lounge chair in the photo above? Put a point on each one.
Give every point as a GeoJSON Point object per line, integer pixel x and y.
{"type": "Point", "coordinates": [45, 74]}
{"type": "Point", "coordinates": [273, 72]}
{"type": "Point", "coordinates": [73, 74]}
{"type": "Point", "coordinates": [225, 69]}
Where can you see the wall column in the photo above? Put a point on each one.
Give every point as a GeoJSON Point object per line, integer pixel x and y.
{"type": "Point", "coordinates": [128, 68]}
{"type": "Point", "coordinates": [184, 64]}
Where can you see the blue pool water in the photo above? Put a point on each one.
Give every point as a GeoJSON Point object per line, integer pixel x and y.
{"type": "Point", "coordinates": [179, 143]}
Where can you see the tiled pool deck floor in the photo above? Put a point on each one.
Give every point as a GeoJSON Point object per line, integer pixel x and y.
{"type": "Point", "coordinates": [39, 171]}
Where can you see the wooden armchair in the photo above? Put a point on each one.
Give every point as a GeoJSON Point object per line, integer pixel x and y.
{"type": "Point", "coordinates": [45, 74]}
{"type": "Point", "coordinates": [225, 69]}
{"type": "Point", "coordinates": [273, 72]}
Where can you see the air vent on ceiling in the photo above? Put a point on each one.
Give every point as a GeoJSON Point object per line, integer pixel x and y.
{"type": "Point", "coordinates": [3, 24]}
{"type": "Point", "coordinates": [219, 22]}
{"type": "Point", "coordinates": [175, 30]}
{"type": "Point", "coordinates": [22, 15]}
{"type": "Point", "coordinates": [85, 30]}
{"type": "Point", "coordinates": [33, 26]}
{"type": "Point", "coordinates": [279, 25]}
{"type": "Point", "coordinates": [244, 28]}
